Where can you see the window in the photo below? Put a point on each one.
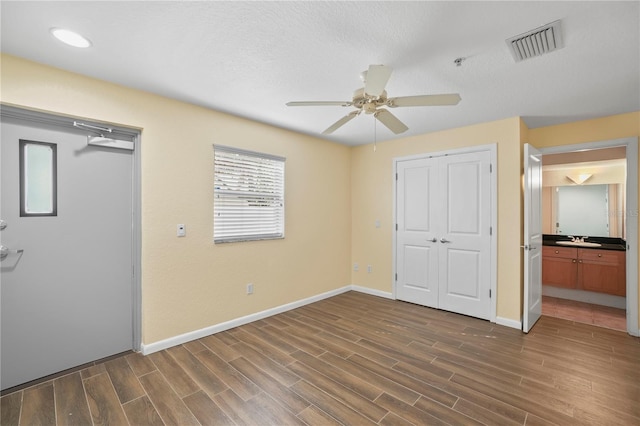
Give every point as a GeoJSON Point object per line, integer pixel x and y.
{"type": "Point", "coordinates": [248, 195]}
{"type": "Point", "coordinates": [38, 186]}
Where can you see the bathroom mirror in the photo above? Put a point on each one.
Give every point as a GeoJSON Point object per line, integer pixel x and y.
{"type": "Point", "coordinates": [582, 210]}
{"type": "Point", "coordinates": [584, 193]}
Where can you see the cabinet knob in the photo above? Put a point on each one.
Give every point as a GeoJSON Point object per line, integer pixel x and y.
{"type": "Point", "coordinates": [573, 261]}
{"type": "Point", "coordinates": [599, 254]}
{"type": "Point", "coordinates": [557, 251]}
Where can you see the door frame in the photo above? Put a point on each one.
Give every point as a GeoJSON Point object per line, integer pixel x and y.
{"type": "Point", "coordinates": [631, 145]}
{"type": "Point", "coordinates": [493, 152]}
{"type": "Point", "coordinates": [63, 122]}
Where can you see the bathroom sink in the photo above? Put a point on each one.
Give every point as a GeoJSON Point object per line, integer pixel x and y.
{"type": "Point", "coordinates": [578, 244]}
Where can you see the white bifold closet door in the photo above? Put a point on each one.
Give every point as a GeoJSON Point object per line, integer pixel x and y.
{"type": "Point", "coordinates": [443, 241]}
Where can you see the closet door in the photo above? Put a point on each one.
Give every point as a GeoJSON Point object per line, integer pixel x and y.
{"type": "Point", "coordinates": [465, 241]}
{"type": "Point", "coordinates": [443, 240]}
{"type": "Point", "coordinates": [416, 240]}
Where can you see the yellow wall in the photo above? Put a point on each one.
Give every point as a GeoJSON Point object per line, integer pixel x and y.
{"type": "Point", "coordinates": [190, 283]}
{"type": "Point", "coordinates": [372, 199]}
{"type": "Point", "coordinates": [599, 129]}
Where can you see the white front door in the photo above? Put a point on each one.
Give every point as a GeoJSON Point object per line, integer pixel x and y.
{"type": "Point", "coordinates": [532, 306]}
{"type": "Point", "coordinates": [67, 296]}
{"type": "Point", "coordinates": [443, 238]}
{"type": "Point", "coordinates": [465, 240]}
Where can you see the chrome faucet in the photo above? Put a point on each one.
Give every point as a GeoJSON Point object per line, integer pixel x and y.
{"type": "Point", "coordinates": [577, 240]}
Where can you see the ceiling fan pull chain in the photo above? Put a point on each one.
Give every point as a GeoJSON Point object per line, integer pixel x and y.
{"type": "Point", "coordinates": [375, 136]}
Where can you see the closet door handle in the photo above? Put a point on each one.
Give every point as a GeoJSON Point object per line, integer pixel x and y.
{"type": "Point", "coordinates": [443, 240]}
{"type": "Point", "coordinates": [433, 240]}
{"type": "Point", "coordinates": [5, 251]}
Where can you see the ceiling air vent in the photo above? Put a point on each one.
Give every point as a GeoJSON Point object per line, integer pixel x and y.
{"type": "Point", "coordinates": [536, 42]}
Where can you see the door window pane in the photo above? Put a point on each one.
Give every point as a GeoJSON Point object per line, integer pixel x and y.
{"type": "Point", "coordinates": [38, 179]}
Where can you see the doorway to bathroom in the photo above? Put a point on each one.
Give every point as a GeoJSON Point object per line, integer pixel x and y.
{"type": "Point", "coordinates": [589, 221]}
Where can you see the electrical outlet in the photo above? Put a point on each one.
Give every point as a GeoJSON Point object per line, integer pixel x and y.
{"type": "Point", "coordinates": [356, 267]}
{"type": "Point", "coordinates": [369, 269]}
{"type": "Point", "coordinates": [181, 231]}
{"type": "Point", "coordinates": [249, 288]}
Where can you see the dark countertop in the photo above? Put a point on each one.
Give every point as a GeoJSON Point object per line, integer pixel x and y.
{"type": "Point", "coordinates": [617, 244]}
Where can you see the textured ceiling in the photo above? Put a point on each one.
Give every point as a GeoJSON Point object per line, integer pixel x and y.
{"type": "Point", "coordinates": [250, 58]}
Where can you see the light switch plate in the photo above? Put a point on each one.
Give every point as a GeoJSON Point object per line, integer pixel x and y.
{"type": "Point", "coordinates": [181, 230]}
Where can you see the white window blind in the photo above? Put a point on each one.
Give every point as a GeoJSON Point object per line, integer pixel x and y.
{"type": "Point", "coordinates": [248, 195]}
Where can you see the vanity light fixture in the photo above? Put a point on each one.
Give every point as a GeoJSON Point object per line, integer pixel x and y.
{"type": "Point", "coordinates": [71, 38]}
{"type": "Point", "coordinates": [580, 179]}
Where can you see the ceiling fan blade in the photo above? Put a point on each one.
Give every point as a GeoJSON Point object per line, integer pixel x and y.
{"type": "Point", "coordinates": [376, 79]}
{"type": "Point", "coordinates": [391, 121]}
{"type": "Point", "coordinates": [320, 103]}
{"type": "Point", "coordinates": [344, 120]}
{"type": "Point", "coordinates": [424, 100]}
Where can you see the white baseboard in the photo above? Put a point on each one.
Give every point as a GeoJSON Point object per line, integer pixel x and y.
{"type": "Point", "coordinates": [203, 332]}
{"type": "Point", "coordinates": [509, 323]}
{"type": "Point", "coordinates": [372, 292]}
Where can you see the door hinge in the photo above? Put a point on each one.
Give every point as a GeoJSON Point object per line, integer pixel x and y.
{"type": "Point", "coordinates": [489, 293]}
{"type": "Point", "coordinates": [490, 168]}
{"type": "Point", "coordinates": [396, 277]}
{"type": "Point", "coordinates": [396, 226]}
{"type": "Point", "coordinates": [396, 176]}
{"type": "Point", "coordinates": [491, 230]}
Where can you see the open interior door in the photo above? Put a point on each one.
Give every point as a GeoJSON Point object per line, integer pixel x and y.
{"type": "Point", "coordinates": [532, 237]}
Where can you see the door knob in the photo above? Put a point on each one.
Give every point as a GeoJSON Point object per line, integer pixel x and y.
{"type": "Point", "coordinates": [5, 251]}
{"type": "Point", "coordinates": [443, 240]}
{"type": "Point", "coordinates": [3, 224]}
{"type": "Point", "coordinates": [433, 240]}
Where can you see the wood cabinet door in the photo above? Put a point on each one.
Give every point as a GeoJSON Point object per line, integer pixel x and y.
{"type": "Point", "coordinates": [602, 271]}
{"type": "Point", "coordinates": [560, 272]}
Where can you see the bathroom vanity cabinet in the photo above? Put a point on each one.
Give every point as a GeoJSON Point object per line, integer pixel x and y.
{"type": "Point", "coordinates": [602, 271]}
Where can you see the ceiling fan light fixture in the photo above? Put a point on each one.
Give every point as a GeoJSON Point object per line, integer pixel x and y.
{"type": "Point", "coordinates": [369, 107]}
{"type": "Point", "coordinates": [70, 38]}
{"type": "Point", "coordinates": [372, 98]}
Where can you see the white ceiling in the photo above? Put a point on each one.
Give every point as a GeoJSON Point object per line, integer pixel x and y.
{"type": "Point", "coordinates": [250, 58]}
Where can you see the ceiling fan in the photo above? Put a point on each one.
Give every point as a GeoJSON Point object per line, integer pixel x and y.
{"type": "Point", "coordinates": [372, 99]}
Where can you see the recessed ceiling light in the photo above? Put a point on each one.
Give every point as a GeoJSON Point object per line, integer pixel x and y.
{"type": "Point", "coordinates": [70, 38]}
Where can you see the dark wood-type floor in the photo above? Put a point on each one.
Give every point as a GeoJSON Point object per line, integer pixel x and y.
{"type": "Point", "coordinates": [356, 359]}
{"type": "Point", "coordinates": [586, 313]}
